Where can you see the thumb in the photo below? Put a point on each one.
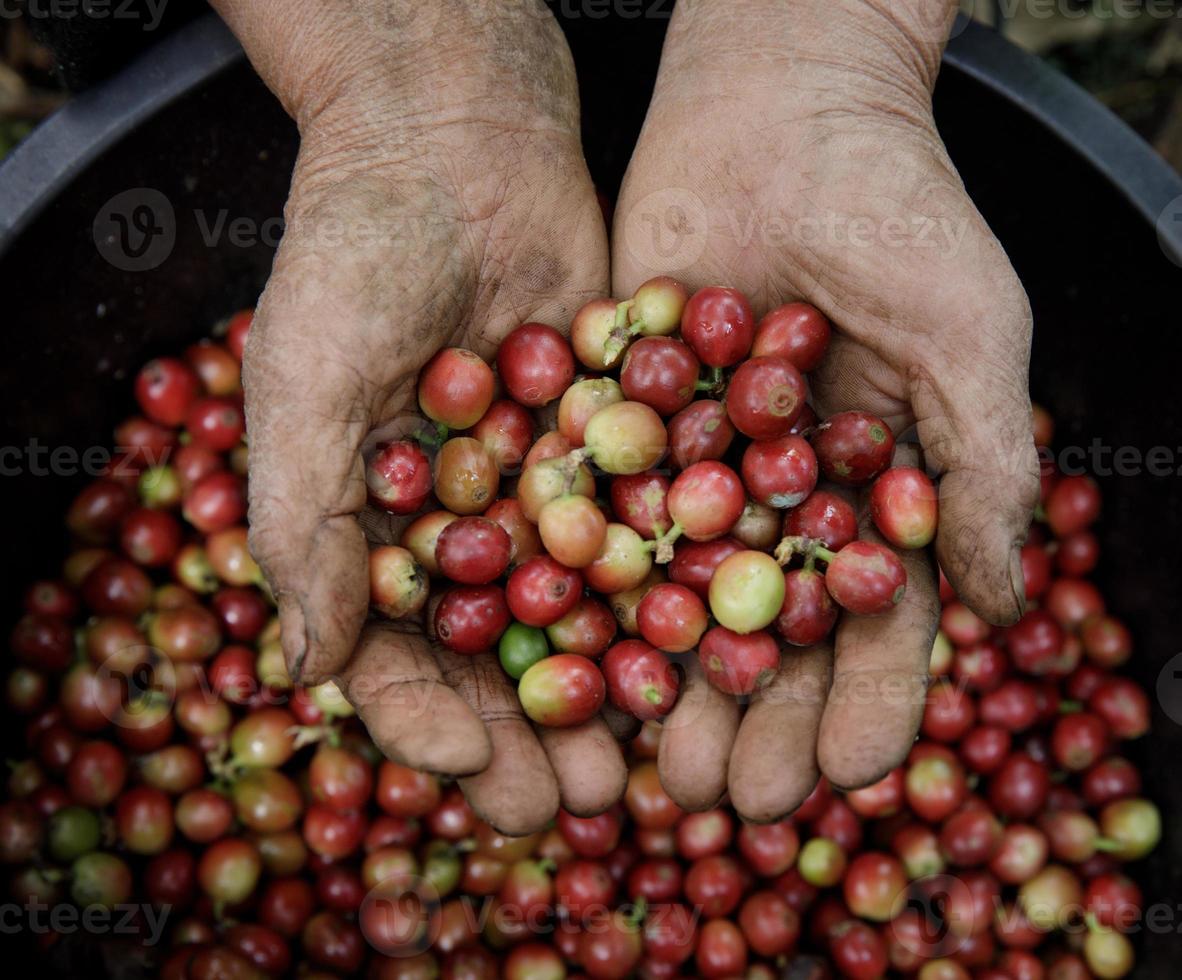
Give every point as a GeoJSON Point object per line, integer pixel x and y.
{"type": "Point", "coordinates": [973, 420]}
{"type": "Point", "coordinates": [306, 418]}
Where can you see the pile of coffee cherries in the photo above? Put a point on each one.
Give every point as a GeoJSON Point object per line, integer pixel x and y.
{"type": "Point", "coordinates": [177, 802]}
{"type": "Point", "coordinates": [674, 500]}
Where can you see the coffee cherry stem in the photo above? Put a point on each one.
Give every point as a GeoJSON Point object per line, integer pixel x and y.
{"type": "Point", "coordinates": [811, 549]}
{"type": "Point", "coordinates": [622, 311]}
{"type": "Point", "coordinates": [1070, 707]}
{"type": "Point", "coordinates": [571, 463]}
{"type": "Point", "coordinates": [639, 910]}
{"type": "Point", "coordinates": [712, 383]}
{"type": "Point", "coordinates": [433, 439]}
{"type": "Point", "coordinates": [312, 734]}
{"type": "Point", "coordinates": [663, 546]}
{"type": "Point", "coordinates": [623, 331]}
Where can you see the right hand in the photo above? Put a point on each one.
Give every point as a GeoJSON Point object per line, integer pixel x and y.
{"type": "Point", "coordinates": [440, 198]}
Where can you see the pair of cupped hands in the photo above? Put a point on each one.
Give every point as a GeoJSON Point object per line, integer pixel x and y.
{"type": "Point", "coordinates": [441, 198]}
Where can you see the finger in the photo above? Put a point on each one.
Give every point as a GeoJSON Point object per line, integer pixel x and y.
{"type": "Point", "coordinates": [880, 678]}
{"type": "Point", "coordinates": [518, 792]}
{"type": "Point", "coordinates": [588, 764]}
{"type": "Point", "coordinates": [852, 377]}
{"type": "Point", "coordinates": [696, 740]}
{"type": "Point", "coordinates": [412, 715]}
{"type": "Point", "coordinates": [306, 419]}
{"type": "Point", "coordinates": [973, 419]}
{"type": "Point", "coordinates": [773, 765]}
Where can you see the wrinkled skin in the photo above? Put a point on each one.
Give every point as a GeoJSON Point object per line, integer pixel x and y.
{"type": "Point", "coordinates": [481, 238]}
{"type": "Point", "coordinates": [792, 173]}
{"type": "Point", "coordinates": [451, 161]}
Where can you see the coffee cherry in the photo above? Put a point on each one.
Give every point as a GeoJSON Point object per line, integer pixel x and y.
{"type": "Point", "coordinates": [627, 437]}
{"type": "Point", "coordinates": [795, 331]}
{"type": "Point", "coordinates": [866, 578]}
{"type": "Point", "coordinates": [456, 388]}
{"type": "Point", "coordinates": [397, 583]}
{"type": "Point", "coordinates": [903, 505]}
{"type": "Point", "coordinates": [471, 618]}
{"type": "Point", "coordinates": [853, 447]}
{"type": "Point", "coordinates": [473, 550]}
{"type": "Point", "coordinates": [536, 364]}
{"type": "Point", "coordinates": [765, 397]}
{"type": "Point", "coordinates": [738, 663]}
{"type": "Point", "coordinates": [747, 591]}
{"type": "Point", "coordinates": [780, 472]}
{"type": "Point", "coordinates": [398, 477]}
{"type": "Point", "coordinates": [640, 679]}
{"type": "Point", "coordinates": [562, 690]}
{"type": "Point", "coordinates": [718, 324]}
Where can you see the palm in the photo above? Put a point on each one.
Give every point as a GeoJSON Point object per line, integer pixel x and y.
{"type": "Point", "coordinates": [774, 218]}
{"type": "Point", "coordinates": [349, 328]}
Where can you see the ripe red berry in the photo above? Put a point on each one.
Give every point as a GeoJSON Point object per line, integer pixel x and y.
{"type": "Point", "coordinates": [640, 679]}
{"type": "Point", "coordinates": [1073, 505]}
{"type": "Point", "coordinates": [165, 389]}
{"type": "Point", "coordinates": [672, 617]}
{"type": "Point", "coordinates": [866, 578]}
{"type": "Point", "coordinates": [215, 423]}
{"type": "Point", "coordinates": [541, 591]}
{"type": "Point", "coordinates": [796, 331]}
{"type": "Point", "coordinates": [398, 477]}
{"type": "Point", "coordinates": [808, 612]}
{"type": "Point", "coordinates": [765, 397]}
{"type": "Point", "coordinates": [853, 447]}
{"type": "Point", "coordinates": [702, 430]}
{"type": "Point", "coordinates": [456, 388]}
{"type": "Point", "coordinates": [705, 500]}
{"type": "Point", "coordinates": [471, 618]}
{"type": "Point", "coordinates": [824, 517]}
{"type": "Point", "coordinates": [660, 372]}
{"type": "Point", "coordinates": [473, 551]}
{"type": "Point", "coordinates": [536, 364]}
{"type": "Point", "coordinates": [738, 663]}
{"type": "Point", "coordinates": [718, 324]}
{"type": "Point", "coordinates": [562, 690]}
{"type": "Point", "coordinates": [780, 472]}
{"type": "Point", "coordinates": [903, 505]}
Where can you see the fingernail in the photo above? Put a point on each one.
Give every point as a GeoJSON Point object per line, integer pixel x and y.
{"type": "Point", "coordinates": [1017, 579]}
{"type": "Point", "coordinates": [293, 634]}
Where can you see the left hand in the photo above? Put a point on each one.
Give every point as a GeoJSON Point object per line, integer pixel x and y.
{"type": "Point", "coordinates": [790, 152]}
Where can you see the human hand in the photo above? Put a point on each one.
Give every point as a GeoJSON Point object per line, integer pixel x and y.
{"type": "Point", "coordinates": [790, 151]}
{"type": "Point", "coordinates": [440, 198]}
